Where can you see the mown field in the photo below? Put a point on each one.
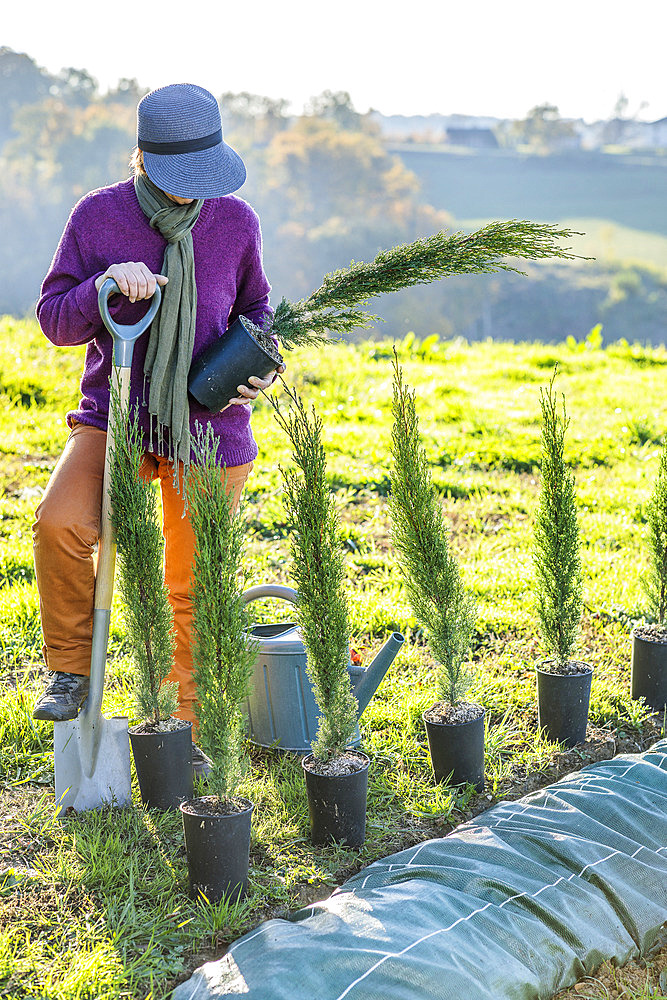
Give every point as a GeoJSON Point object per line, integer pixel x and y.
{"type": "Point", "coordinates": [97, 905]}
{"type": "Point", "coordinates": [627, 190]}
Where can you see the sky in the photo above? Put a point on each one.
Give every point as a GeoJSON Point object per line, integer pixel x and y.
{"type": "Point", "coordinates": [479, 57]}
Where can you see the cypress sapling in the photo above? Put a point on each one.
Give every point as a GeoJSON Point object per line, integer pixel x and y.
{"type": "Point", "coordinates": [318, 570]}
{"type": "Point", "coordinates": [655, 579]}
{"type": "Point", "coordinates": [648, 668]}
{"type": "Point", "coordinates": [148, 616]}
{"type": "Point", "coordinates": [222, 652]}
{"type": "Point", "coordinates": [556, 558]}
{"type": "Point", "coordinates": [439, 600]}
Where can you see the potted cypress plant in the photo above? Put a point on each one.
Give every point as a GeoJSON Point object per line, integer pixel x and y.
{"type": "Point", "coordinates": [334, 309]}
{"type": "Point", "coordinates": [161, 745]}
{"type": "Point", "coordinates": [563, 683]}
{"type": "Point", "coordinates": [336, 776]}
{"type": "Point", "coordinates": [649, 642]}
{"type": "Point", "coordinates": [439, 600]}
{"type": "Point", "coordinates": [217, 825]}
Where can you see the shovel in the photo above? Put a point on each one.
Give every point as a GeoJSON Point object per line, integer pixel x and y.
{"type": "Point", "coordinates": [91, 752]}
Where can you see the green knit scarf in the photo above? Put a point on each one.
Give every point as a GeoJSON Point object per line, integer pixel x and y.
{"type": "Point", "coordinates": [172, 333]}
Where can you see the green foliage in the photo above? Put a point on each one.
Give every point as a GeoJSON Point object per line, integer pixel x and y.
{"type": "Point", "coordinates": [331, 308]}
{"type": "Point", "coordinates": [86, 908]}
{"type": "Point", "coordinates": [655, 579]}
{"type": "Point", "coordinates": [438, 597]}
{"type": "Point", "coordinates": [591, 342]}
{"type": "Point", "coordinates": [318, 570]}
{"type": "Point", "coordinates": [26, 748]}
{"type": "Point", "coordinates": [148, 618]}
{"type": "Point", "coordinates": [557, 562]}
{"type": "Point", "coordinates": [222, 653]}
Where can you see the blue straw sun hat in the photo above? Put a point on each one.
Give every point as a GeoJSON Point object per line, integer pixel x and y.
{"type": "Point", "coordinates": [179, 131]}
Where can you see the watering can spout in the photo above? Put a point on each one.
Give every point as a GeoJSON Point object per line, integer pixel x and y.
{"type": "Point", "coordinates": [365, 682]}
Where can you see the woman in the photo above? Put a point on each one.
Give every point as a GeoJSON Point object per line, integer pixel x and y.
{"type": "Point", "coordinates": [175, 223]}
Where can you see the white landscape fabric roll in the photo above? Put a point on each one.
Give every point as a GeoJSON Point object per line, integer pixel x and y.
{"type": "Point", "coordinates": [516, 904]}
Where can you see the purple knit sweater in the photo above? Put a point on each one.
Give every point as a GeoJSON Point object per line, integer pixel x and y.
{"type": "Point", "coordinates": [108, 227]}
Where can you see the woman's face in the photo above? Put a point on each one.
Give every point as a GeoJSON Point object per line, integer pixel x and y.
{"type": "Point", "coordinates": [178, 200]}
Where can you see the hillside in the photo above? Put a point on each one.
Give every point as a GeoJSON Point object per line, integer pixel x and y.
{"type": "Point", "coordinates": [629, 191]}
{"type": "Point", "coordinates": [617, 203]}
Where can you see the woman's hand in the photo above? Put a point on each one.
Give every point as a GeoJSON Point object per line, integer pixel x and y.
{"type": "Point", "coordinates": [246, 393]}
{"type": "Point", "coordinates": [134, 279]}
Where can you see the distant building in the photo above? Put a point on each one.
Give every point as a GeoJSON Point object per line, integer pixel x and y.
{"type": "Point", "coordinates": [627, 133]}
{"type": "Point", "coordinates": [428, 128]}
{"type": "Point", "coordinates": [477, 132]}
{"type": "Point", "coordinates": [473, 138]}
{"type": "Point", "coordinates": [658, 133]}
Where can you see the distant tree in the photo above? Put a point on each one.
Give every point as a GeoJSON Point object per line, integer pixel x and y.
{"type": "Point", "coordinates": [57, 153]}
{"type": "Point", "coordinates": [336, 106]}
{"type": "Point", "coordinates": [543, 130]}
{"type": "Point", "coordinates": [75, 86]}
{"type": "Point", "coordinates": [621, 106]}
{"type": "Point", "coordinates": [127, 91]}
{"type": "Point", "coordinates": [22, 82]}
{"type": "Point", "coordinates": [613, 132]}
{"type": "Point", "coordinates": [252, 119]}
{"type": "Point", "coordinates": [64, 150]}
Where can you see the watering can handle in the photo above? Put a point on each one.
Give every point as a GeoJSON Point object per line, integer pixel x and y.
{"type": "Point", "coordinates": [270, 590]}
{"type": "Point", "coordinates": [124, 337]}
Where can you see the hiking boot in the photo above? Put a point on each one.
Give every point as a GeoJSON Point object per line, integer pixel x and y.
{"type": "Point", "coordinates": [63, 697]}
{"type": "Point", "coordinates": [201, 764]}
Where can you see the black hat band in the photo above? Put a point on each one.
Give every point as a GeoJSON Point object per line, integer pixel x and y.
{"type": "Point", "coordinates": [184, 146]}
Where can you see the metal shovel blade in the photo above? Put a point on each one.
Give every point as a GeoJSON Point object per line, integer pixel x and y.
{"type": "Point", "coordinates": [92, 753]}
{"type": "Point", "coordinates": [109, 782]}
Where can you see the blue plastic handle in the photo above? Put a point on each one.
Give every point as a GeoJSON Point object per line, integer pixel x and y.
{"type": "Point", "coordinates": [124, 337]}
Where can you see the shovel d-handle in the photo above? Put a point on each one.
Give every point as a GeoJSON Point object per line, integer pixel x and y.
{"type": "Point", "coordinates": [270, 590]}
{"type": "Point", "coordinates": [124, 337]}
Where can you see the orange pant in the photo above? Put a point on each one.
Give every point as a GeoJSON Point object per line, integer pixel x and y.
{"type": "Point", "coordinates": [65, 532]}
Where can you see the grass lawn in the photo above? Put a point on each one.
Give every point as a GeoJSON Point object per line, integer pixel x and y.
{"type": "Point", "coordinates": [97, 905]}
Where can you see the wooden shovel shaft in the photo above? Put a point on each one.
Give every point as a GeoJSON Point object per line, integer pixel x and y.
{"type": "Point", "coordinates": [106, 559]}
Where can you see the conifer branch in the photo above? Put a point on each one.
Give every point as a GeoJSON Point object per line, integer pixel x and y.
{"type": "Point", "coordinates": [148, 616]}
{"type": "Point", "coordinates": [654, 580]}
{"type": "Point", "coordinates": [222, 653]}
{"type": "Point", "coordinates": [332, 309]}
{"type": "Point", "coordinates": [430, 571]}
{"type": "Point", "coordinates": [556, 556]}
{"type": "Point", "coordinates": [318, 570]}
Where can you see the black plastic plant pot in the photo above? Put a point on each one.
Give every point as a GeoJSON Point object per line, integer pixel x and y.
{"type": "Point", "coordinates": [457, 751]}
{"type": "Point", "coordinates": [337, 803]}
{"type": "Point", "coordinates": [163, 762]}
{"type": "Point", "coordinates": [216, 373]}
{"type": "Point", "coordinates": [562, 705]}
{"type": "Point", "coordinates": [218, 850]}
{"type": "Point", "coordinates": [648, 671]}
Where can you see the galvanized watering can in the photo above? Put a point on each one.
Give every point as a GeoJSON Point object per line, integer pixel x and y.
{"type": "Point", "coordinates": [281, 709]}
